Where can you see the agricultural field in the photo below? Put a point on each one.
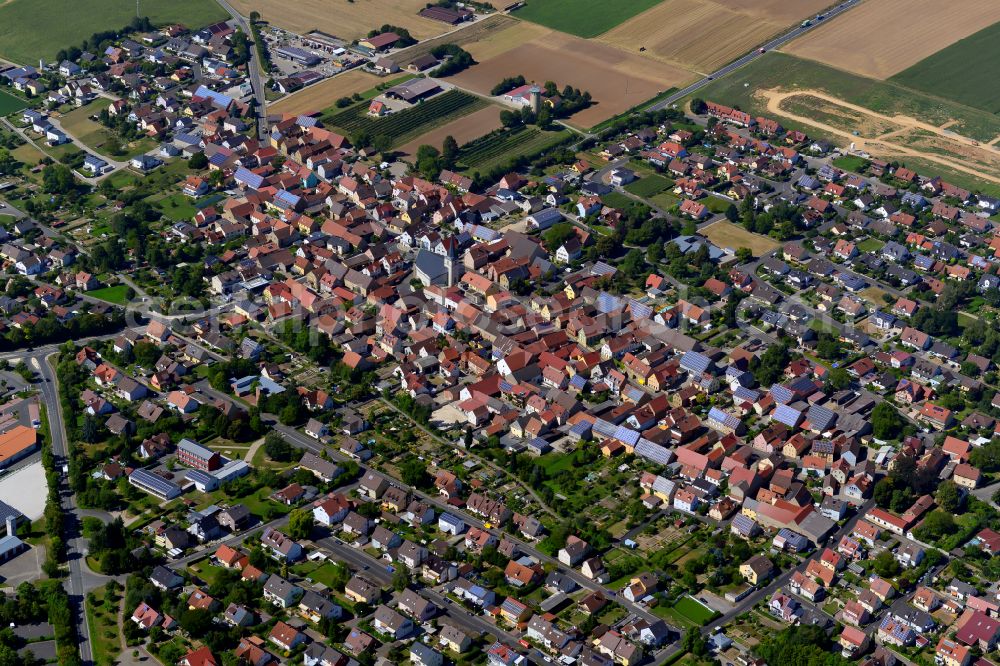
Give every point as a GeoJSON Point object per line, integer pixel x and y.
{"type": "Point", "coordinates": [704, 35]}
{"type": "Point", "coordinates": [463, 129]}
{"type": "Point", "coordinates": [347, 20]}
{"type": "Point", "coordinates": [501, 29]}
{"type": "Point", "coordinates": [725, 234]}
{"type": "Point", "coordinates": [493, 149]}
{"type": "Point", "coordinates": [880, 38]}
{"type": "Point", "coordinates": [11, 104]}
{"type": "Point", "coordinates": [968, 71]}
{"type": "Point", "coordinates": [780, 71]}
{"type": "Point", "coordinates": [611, 75]}
{"type": "Point", "coordinates": [584, 18]}
{"type": "Point", "coordinates": [323, 94]}
{"type": "Point", "coordinates": [408, 124]}
{"type": "Point", "coordinates": [33, 29]}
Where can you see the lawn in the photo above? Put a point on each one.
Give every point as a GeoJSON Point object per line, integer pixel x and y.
{"type": "Point", "coordinates": [870, 245]}
{"type": "Point", "coordinates": [851, 163]}
{"type": "Point", "coordinates": [553, 463]}
{"type": "Point", "coordinates": [105, 640]}
{"type": "Point", "coordinates": [177, 207]}
{"type": "Point", "coordinates": [33, 29]}
{"type": "Point", "coordinates": [968, 71]}
{"type": "Point", "coordinates": [694, 610]}
{"type": "Point", "coordinates": [96, 136]}
{"type": "Point", "coordinates": [584, 18]}
{"type": "Point", "coordinates": [10, 104]}
{"type": "Point", "coordinates": [779, 70]}
{"type": "Point", "coordinates": [117, 294]}
{"type": "Point", "coordinates": [649, 186]}
{"type": "Point", "coordinates": [728, 235]}
{"type": "Point", "coordinates": [616, 200]}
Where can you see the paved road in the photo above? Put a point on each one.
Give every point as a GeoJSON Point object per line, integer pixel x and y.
{"type": "Point", "coordinates": [253, 69]}
{"type": "Point", "coordinates": [302, 441]}
{"type": "Point", "coordinates": [775, 43]}
{"type": "Point", "coordinates": [81, 580]}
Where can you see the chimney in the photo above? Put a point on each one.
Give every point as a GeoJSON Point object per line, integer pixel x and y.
{"type": "Point", "coordinates": [11, 525]}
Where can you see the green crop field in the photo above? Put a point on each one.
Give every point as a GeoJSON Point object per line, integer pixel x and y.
{"type": "Point", "coordinates": [649, 186]}
{"type": "Point", "coordinates": [408, 124]}
{"type": "Point", "coordinates": [584, 18]}
{"type": "Point", "coordinates": [33, 29]}
{"type": "Point", "coordinates": [968, 71]}
{"type": "Point", "coordinates": [779, 70]}
{"type": "Point", "coordinates": [10, 104]}
{"type": "Point", "coordinates": [497, 147]}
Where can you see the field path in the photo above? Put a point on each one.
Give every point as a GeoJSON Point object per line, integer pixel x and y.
{"type": "Point", "coordinates": [878, 145]}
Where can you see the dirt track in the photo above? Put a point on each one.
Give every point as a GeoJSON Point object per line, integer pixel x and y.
{"type": "Point", "coordinates": [883, 145]}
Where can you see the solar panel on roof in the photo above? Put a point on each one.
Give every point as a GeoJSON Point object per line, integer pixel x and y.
{"type": "Point", "coordinates": [781, 394]}
{"type": "Point", "coordinates": [653, 452]}
{"type": "Point", "coordinates": [820, 417]}
{"type": "Point", "coordinates": [604, 428]}
{"type": "Point", "coordinates": [640, 310]}
{"type": "Point", "coordinates": [787, 415]}
{"type": "Point", "coordinates": [607, 303]}
{"type": "Point", "coordinates": [154, 482]}
{"type": "Point", "coordinates": [626, 435]}
{"type": "Point", "coordinates": [601, 268]}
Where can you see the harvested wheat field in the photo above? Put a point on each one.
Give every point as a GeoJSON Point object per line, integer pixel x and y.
{"type": "Point", "coordinates": [879, 38]}
{"type": "Point", "coordinates": [323, 94]}
{"type": "Point", "coordinates": [500, 31]}
{"type": "Point", "coordinates": [464, 129]}
{"type": "Point", "coordinates": [610, 74]}
{"type": "Point", "coordinates": [347, 20]}
{"type": "Point", "coordinates": [704, 35]}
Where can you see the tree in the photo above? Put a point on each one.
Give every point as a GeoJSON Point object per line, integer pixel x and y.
{"type": "Point", "coordinates": [886, 422]}
{"type": "Point", "coordinates": [698, 105]}
{"type": "Point", "coordinates": [695, 643]}
{"type": "Point", "coordinates": [949, 496]}
{"type": "Point", "coordinates": [885, 565]}
{"type": "Point", "coordinates": [400, 577]}
{"type": "Point", "coordinates": [938, 523]}
{"type": "Point", "coordinates": [382, 143]}
{"type": "Point", "coordinates": [744, 255]}
{"type": "Point", "coordinates": [558, 234]}
{"type": "Point", "coordinates": [838, 379]}
{"type": "Point", "coordinates": [413, 471]}
{"type": "Point", "coordinates": [198, 161]}
{"type": "Point", "coordinates": [58, 179]}
{"type": "Point", "coordinates": [300, 524]}
{"type": "Point", "coordinates": [277, 448]}
{"type": "Point", "coordinates": [733, 213]}
{"type": "Point", "coordinates": [449, 151]}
